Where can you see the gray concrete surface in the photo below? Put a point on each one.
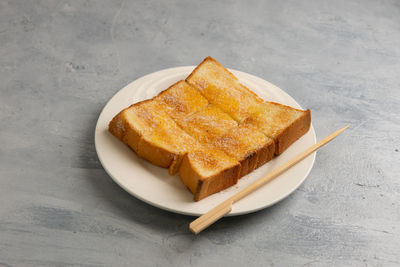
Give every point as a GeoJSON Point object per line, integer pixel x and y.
{"type": "Point", "coordinates": [60, 61]}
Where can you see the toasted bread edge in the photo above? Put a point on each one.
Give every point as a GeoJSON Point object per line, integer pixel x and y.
{"type": "Point", "coordinates": [124, 131]}
{"type": "Point", "coordinates": [202, 187]}
{"type": "Point", "coordinates": [293, 132]}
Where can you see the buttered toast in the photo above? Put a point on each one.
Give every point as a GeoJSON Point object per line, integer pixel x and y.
{"type": "Point", "coordinates": [223, 89]}
{"type": "Point", "coordinates": [207, 170]}
{"type": "Point", "coordinates": [180, 100]}
{"type": "Point", "coordinates": [282, 123]}
{"type": "Point", "coordinates": [209, 128]}
{"type": "Point", "coordinates": [207, 124]}
{"type": "Point", "coordinates": [152, 134]}
{"type": "Point", "coordinates": [247, 145]}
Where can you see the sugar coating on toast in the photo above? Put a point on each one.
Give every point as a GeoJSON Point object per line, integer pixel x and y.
{"type": "Point", "coordinates": [223, 89]}
{"type": "Point", "coordinates": [210, 161]}
{"type": "Point", "coordinates": [241, 141]}
{"type": "Point", "coordinates": [206, 171]}
{"type": "Point", "coordinates": [207, 123]}
{"type": "Point", "coordinates": [210, 128]}
{"type": "Point", "coordinates": [152, 134]}
{"type": "Point", "coordinates": [272, 118]}
{"type": "Point", "coordinates": [282, 123]}
{"type": "Point", "coordinates": [181, 100]}
{"type": "Point", "coordinates": [160, 128]}
{"type": "Point", "coordinates": [247, 145]}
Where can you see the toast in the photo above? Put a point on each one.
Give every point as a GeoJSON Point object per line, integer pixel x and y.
{"type": "Point", "coordinates": [248, 146]}
{"type": "Point", "coordinates": [209, 128]}
{"type": "Point", "coordinates": [216, 129]}
{"type": "Point", "coordinates": [207, 171]}
{"type": "Point", "coordinates": [282, 123]}
{"type": "Point", "coordinates": [181, 100]}
{"type": "Point", "coordinates": [152, 134]}
{"type": "Point", "coordinates": [207, 124]}
{"type": "Point", "coordinates": [223, 89]}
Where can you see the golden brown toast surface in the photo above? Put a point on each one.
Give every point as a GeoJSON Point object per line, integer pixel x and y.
{"type": "Point", "coordinates": [207, 123]}
{"type": "Point", "coordinates": [206, 171]}
{"type": "Point", "coordinates": [282, 123]}
{"type": "Point", "coordinates": [223, 89]}
{"type": "Point", "coordinates": [160, 128]}
{"type": "Point", "coordinates": [151, 133]}
{"type": "Point", "coordinates": [247, 145]}
{"type": "Point", "coordinates": [181, 100]}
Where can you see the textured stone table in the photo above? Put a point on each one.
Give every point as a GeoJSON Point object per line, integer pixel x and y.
{"type": "Point", "coordinates": [60, 61]}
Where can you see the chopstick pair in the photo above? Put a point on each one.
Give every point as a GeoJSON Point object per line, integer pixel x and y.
{"type": "Point", "coordinates": [225, 207]}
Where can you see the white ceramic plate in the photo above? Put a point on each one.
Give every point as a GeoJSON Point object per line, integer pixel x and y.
{"type": "Point", "coordinates": [156, 187]}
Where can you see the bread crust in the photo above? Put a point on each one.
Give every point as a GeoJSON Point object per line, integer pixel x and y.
{"type": "Point", "coordinates": [247, 145]}
{"type": "Point", "coordinates": [283, 136]}
{"type": "Point", "coordinates": [227, 71]}
{"type": "Point", "coordinates": [218, 182]}
{"type": "Point", "coordinates": [201, 186]}
{"type": "Point", "coordinates": [132, 137]}
{"type": "Point", "coordinates": [232, 97]}
{"type": "Point", "coordinates": [121, 127]}
{"type": "Point", "coordinates": [293, 132]}
{"type": "Point", "coordinates": [257, 158]}
{"type": "Point", "coordinates": [216, 62]}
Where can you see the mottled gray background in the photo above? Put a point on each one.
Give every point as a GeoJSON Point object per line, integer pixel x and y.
{"type": "Point", "coordinates": [60, 61]}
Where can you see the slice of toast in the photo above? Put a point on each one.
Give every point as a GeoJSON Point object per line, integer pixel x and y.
{"type": "Point", "coordinates": [207, 124]}
{"type": "Point", "coordinates": [152, 134]}
{"type": "Point", "coordinates": [181, 100]}
{"type": "Point", "coordinates": [207, 171]}
{"type": "Point", "coordinates": [248, 146]}
{"type": "Point", "coordinates": [282, 123]}
{"type": "Point", "coordinates": [223, 89]}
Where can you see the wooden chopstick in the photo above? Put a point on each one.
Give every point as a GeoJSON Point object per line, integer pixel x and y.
{"type": "Point", "coordinates": [225, 207]}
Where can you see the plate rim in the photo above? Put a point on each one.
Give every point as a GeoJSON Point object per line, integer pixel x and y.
{"type": "Point", "coordinates": [174, 210]}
